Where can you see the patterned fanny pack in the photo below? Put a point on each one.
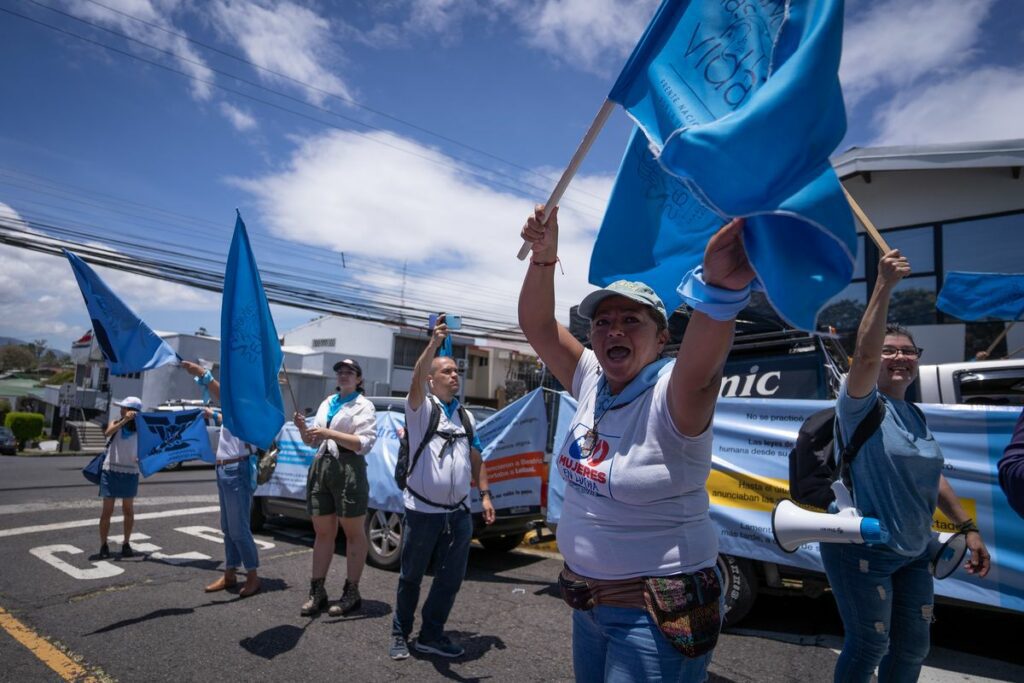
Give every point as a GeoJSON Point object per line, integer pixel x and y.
{"type": "Point", "coordinates": [686, 607]}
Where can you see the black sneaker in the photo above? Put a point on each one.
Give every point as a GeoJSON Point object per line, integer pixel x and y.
{"type": "Point", "coordinates": [126, 550]}
{"type": "Point", "coordinates": [399, 648]}
{"type": "Point", "coordinates": [104, 551]}
{"type": "Point", "coordinates": [442, 646]}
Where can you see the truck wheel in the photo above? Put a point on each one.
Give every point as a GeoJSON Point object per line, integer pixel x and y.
{"type": "Point", "coordinates": [502, 544]}
{"type": "Point", "coordinates": [739, 584]}
{"type": "Point", "coordinates": [384, 539]}
{"type": "Point", "coordinates": [257, 517]}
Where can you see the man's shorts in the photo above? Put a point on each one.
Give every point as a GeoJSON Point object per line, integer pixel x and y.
{"type": "Point", "coordinates": [337, 485]}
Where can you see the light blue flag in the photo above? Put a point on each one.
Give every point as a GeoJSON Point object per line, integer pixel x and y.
{"type": "Point", "coordinates": [167, 438]}
{"type": "Point", "coordinates": [250, 352]}
{"type": "Point", "coordinates": [973, 296]}
{"type": "Point", "coordinates": [128, 344]}
{"type": "Point", "coordinates": [740, 106]}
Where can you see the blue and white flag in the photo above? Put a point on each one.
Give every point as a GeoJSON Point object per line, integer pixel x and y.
{"type": "Point", "coordinates": [167, 438]}
{"type": "Point", "coordinates": [973, 296]}
{"type": "Point", "coordinates": [739, 105]}
{"type": "Point", "coordinates": [127, 343]}
{"type": "Point", "coordinates": [250, 352]}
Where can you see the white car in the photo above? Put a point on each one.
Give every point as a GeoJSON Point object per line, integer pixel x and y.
{"type": "Point", "coordinates": [992, 382]}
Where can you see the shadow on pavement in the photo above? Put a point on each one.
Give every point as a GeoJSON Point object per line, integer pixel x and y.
{"type": "Point", "coordinates": [267, 586]}
{"type": "Point", "coordinates": [475, 646]}
{"type": "Point", "coordinates": [371, 609]}
{"type": "Point", "coordinates": [274, 641]}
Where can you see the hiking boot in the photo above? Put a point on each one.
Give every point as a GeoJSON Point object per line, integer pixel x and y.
{"type": "Point", "coordinates": [442, 646]}
{"type": "Point", "coordinates": [126, 550]}
{"type": "Point", "coordinates": [317, 598]}
{"type": "Point", "coordinates": [399, 648]}
{"type": "Point", "coordinates": [104, 551]}
{"type": "Point", "coordinates": [350, 601]}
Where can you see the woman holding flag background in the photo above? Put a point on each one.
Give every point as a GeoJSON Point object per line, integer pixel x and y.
{"type": "Point", "coordinates": [235, 486]}
{"type": "Point", "coordinates": [885, 593]}
{"type": "Point", "coordinates": [639, 545]}
{"type": "Point", "coordinates": [119, 477]}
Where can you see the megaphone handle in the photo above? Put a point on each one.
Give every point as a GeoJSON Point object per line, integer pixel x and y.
{"type": "Point", "coordinates": [844, 499]}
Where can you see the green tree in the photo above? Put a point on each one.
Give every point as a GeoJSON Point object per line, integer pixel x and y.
{"type": "Point", "coordinates": [17, 357]}
{"type": "Point", "coordinates": [914, 306]}
{"type": "Point", "coordinates": [844, 315]}
{"type": "Point", "coordinates": [26, 426]}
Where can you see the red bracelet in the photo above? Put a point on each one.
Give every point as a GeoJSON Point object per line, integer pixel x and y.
{"type": "Point", "coordinates": [550, 263]}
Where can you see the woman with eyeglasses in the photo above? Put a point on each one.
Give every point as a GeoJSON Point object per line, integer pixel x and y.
{"type": "Point", "coordinates": [636, 533]}
{"type": "Point", "coordinates": [885, 592]}
{"type": "Point", "coordinates": [337, 488]}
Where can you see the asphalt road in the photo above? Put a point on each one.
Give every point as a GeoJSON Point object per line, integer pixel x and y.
{"type": "Point", "coordinates": [148, 617]}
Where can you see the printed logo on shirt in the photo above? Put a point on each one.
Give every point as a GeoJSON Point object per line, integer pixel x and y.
{"type": "Point", "coordinates": [584, 461]}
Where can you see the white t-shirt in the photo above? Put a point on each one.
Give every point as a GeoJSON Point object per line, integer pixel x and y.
{"type": "Point", "coordinates": [357, 417]}
{"type": "Point", "coordinates": [635, 502]}
{"type": "Point", "coordinates": [123, 454]}
{"type": "Point", "coordinates": [230, 446]}
{"type": "Point", "coordinates": [442, 474]}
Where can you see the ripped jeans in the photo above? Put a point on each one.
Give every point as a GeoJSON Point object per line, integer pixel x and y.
{"type": "Point", "coordinates": [885, 601]}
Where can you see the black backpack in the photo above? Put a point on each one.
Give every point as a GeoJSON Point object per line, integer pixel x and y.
{"type": "Point", "coordinates": [812, 468]}
{"type": "Point", "coordinates": [403, 468]}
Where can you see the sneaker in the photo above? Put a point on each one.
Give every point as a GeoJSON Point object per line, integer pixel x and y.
{"type": "Point", "coordinates": [442, 646]}
{"type": "Point", "coordinates": [399, 648]}
{"type": "Point", "coordinates": [350, 601]}
{"type": "Point", "coordinates": [104, 551]}
{"type": "Point", "coordinates": [126, 550]}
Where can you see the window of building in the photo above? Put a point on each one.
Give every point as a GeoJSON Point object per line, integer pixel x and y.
{"type": "Point", "coordinates": [329, 342]}
{"type": "Point", "coordinates": [408, 349]}
{"type": "Point", "coordinates": [981, 244]}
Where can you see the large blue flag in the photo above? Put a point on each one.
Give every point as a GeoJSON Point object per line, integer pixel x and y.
{"type": "Point", "coordinates": [167, 438]}
{"type": "Point", "coordinates": [127, 343]}
{"type": "Point", "coordinates": [250, 352]}
{"type": "Point", "coordinates": [739, 106]}
{"type": "Point", "coordinates": [973, 296]}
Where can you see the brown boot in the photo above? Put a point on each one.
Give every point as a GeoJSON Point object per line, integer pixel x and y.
{"type": "Point", "coordinates": [226, 581]}
{"type": "Point", "coordinates": [317, 598]}
{"type": "Point", "coordinates": [252, 585]}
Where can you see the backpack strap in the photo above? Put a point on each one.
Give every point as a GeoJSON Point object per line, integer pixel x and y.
{"type": "Point", "coordinates": [869, 424]}
{"type": "Point", "coordinates": [428, 436]}
{"type": "Point", "coordinates": [435, 420]}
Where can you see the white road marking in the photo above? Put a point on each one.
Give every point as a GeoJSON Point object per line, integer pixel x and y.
{"type": "Point", "coordinates": [152, 551]}
{"type": "Point", "coordinates": [217, 536]}
{"type": "Point", "coordinates": [91, 503]}
{"type": "Point", "coordinates": [99, 570]}
{"type": "Point", "coordinates": [40, 528]}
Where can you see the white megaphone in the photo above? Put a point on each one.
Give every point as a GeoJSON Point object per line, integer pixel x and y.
{"type": "Point", "coordinates": [792, 526]}
{"type": "Point", "coordinates": [945, 553]}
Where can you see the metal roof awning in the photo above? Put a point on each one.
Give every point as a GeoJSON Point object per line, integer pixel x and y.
{"type": "Point", "coordinates": [984, 154]}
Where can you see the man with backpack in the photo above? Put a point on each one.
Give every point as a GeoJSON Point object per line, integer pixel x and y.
{"type": "Point", "coordinates": [442, 459]}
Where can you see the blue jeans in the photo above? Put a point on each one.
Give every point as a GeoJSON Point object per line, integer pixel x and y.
{"type": "Point", "coordinates": [234, 487]}
{"type": "Point", "coordinates": [623, 645]}
{"type": "Point", "coordinates": [885, 601]}
{"type": "Point", "coordinates": [444, 537]}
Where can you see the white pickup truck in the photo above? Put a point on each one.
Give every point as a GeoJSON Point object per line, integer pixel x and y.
{"type": "Point", "coordinates": [993, 382]}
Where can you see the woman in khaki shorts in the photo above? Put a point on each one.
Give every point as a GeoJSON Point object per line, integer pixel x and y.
{"type": "Point", "coordinates": [337, 490]}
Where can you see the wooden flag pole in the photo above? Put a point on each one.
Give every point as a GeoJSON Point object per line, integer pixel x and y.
{"type": "Point", "coordinates": [288, 383]}
{"type": "Point", "coordinates": [563, 183]}
{"type": "Point", "coordinates": [876, 236]}
{"type": "Point", "coordinates": [1002, 334]}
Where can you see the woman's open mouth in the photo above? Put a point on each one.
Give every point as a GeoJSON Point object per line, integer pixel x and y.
{"type": "Point", "coordinates": [618, 353]}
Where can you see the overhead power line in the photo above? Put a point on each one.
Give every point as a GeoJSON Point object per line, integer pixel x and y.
{"type": "Point", "coordinates": [482, 174]}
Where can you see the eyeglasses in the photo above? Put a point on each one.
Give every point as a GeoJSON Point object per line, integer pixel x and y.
{"type": "Point", "coordinates": [907, 351]}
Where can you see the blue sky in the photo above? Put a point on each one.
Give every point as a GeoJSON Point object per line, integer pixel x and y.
{"type": "Point", "coordinates": [125, 150]}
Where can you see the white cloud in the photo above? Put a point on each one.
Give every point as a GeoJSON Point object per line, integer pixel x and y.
{"type": "Point", "coordinates": [593, 35]}
{"type": "Point", "coordinates": [39, 297]}
{"type": "Point", "coordinates": [155, 12]}
{"type": "Point", "coordinates": [978, 105]}
{"type": "Point", "coordinates": [242, 120]}
{"type": "Point", "coordinates": [897, 42]}
{"type": "Point", "coordinates": [344, 192]}
{"type": "Point", "coordinates": [284, 37]}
